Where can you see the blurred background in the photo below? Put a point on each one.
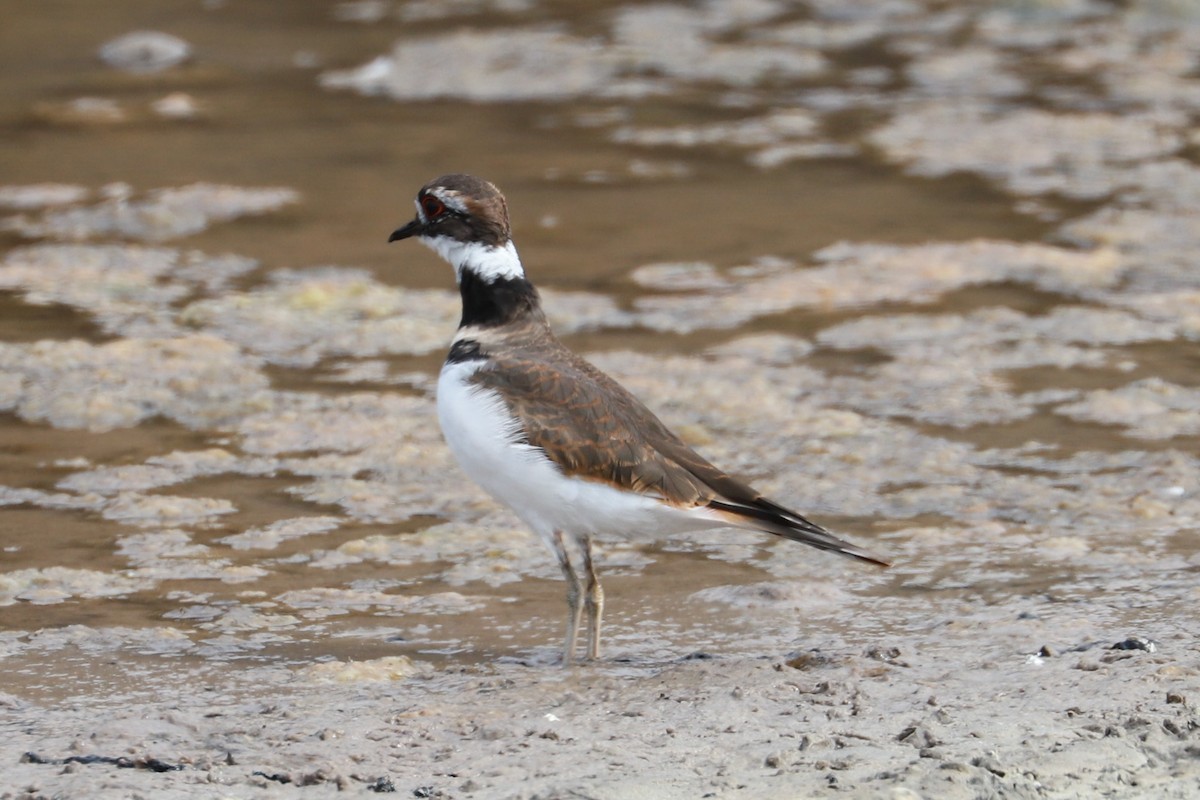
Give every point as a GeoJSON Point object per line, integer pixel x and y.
{"type": "Point", "coordinates": [923, 270]}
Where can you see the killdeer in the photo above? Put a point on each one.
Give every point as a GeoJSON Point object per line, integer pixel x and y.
{"type": "Point", "coordinates": [566, 447]}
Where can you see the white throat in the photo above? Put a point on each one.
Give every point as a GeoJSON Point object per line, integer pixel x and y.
{"type": "Point", "coordinates": [487, 261]}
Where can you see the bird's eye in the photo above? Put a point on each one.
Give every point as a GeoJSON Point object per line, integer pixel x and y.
{"type": "Point", "coordinates": [432, 206]}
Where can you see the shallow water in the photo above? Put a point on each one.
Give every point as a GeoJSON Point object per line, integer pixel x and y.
{"type": "Point", "coordinates": [969, 346]}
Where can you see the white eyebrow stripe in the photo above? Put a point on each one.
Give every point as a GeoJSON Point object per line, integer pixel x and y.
{"type": "Point", "coordinates": [451, 198]}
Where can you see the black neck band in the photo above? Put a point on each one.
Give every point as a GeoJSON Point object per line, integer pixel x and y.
{"type": "Point", "coordinates": [496, 302]}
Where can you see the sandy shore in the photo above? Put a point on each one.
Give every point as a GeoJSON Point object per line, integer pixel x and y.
{"type": "Point", "coordinates": [1032, 705]}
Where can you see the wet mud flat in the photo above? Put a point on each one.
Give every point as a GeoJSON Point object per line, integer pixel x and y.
{"type": "Point", "coordinates": [942, 717]}
{"type": "Point", "coordinates": [925, 272]}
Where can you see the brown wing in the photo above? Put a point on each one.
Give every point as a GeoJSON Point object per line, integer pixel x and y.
{"type": "Point", "coordinates": [592, 427]}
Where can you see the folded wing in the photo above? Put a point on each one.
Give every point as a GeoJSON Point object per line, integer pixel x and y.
{"type": "Point", "coordinates": [593, 428]}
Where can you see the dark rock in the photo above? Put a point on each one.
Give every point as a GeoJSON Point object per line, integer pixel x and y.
{"type": "Point", "coordinates": [1136, 643]}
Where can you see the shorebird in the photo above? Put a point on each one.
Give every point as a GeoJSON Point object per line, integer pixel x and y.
{"type": "Point", "coordinates": [562, 444]}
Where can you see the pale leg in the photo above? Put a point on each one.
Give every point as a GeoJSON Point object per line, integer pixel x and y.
{"type": "Point", "coordinates": [593, 600]}
{"type": "Point", "coordinates": [575, 608]}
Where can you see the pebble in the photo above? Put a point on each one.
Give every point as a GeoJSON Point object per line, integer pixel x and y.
{"type": "Point", "coordinates": [177, 105]}
{"type": "Point", "coordinates": [145, 52]}
{"type": "Point", "coordinates": [1136, 643]}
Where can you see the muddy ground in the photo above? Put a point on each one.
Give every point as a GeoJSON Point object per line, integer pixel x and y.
{"type": "Point", "coordinates": [925, 272]}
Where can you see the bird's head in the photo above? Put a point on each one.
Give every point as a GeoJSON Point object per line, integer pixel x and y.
{"type": "Point", "coordinates": [464, 219]}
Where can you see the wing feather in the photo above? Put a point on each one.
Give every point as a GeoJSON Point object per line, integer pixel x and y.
{"type": "Point", "coordinates": [594, 428]}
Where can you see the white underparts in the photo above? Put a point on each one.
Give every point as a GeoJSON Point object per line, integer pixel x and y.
{"type": "Point", "coordinates": [487, 261]}
{"type": "Point", "coordinates": [486, 439]}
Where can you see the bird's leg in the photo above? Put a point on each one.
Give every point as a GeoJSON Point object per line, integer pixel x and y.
{"type": "Point", "coordinates": [593, 600]}
{"type": "Point", "coordinates": [575, 609]}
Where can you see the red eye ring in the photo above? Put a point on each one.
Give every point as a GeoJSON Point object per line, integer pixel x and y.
{"type": "Point", "coordinates": [432, 207]}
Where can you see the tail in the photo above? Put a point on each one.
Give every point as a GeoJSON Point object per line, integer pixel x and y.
{"type": "Point", "coordinates": [763, 515]}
